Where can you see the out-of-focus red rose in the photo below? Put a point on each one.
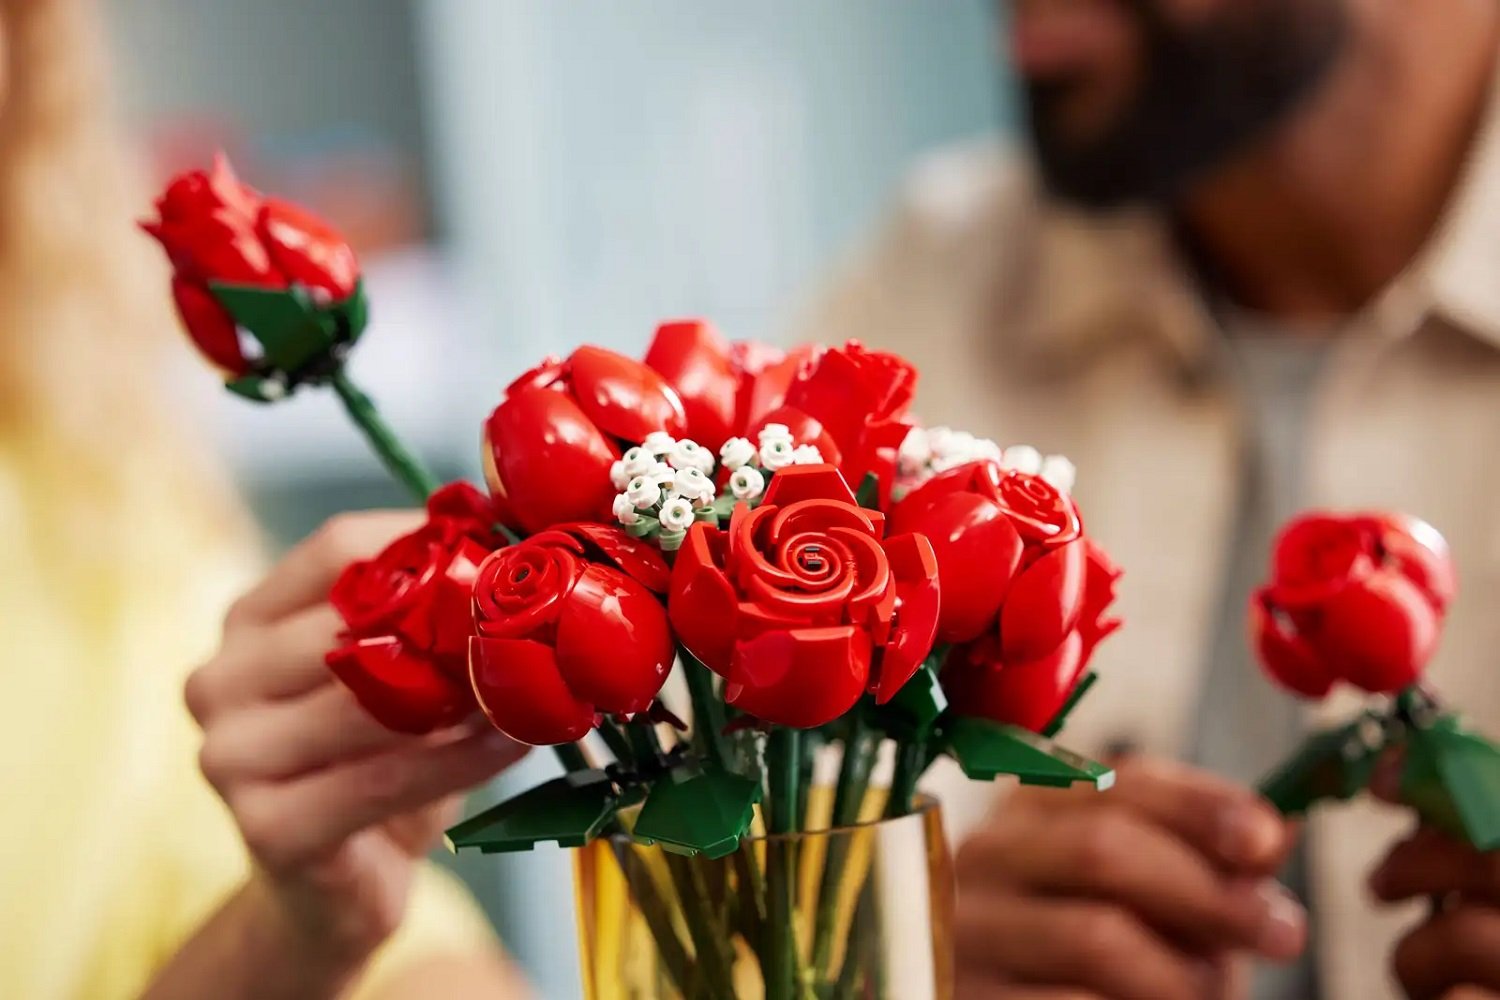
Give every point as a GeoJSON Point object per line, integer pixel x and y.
{"type": "Point", "coordinates": [1025, 593]}
{"type": "Point", "coordinates": [217, 230]}
{"type": "Point", "coordinates": [1356, 598]}
{"type": "Point", "coordinates": [406, 616]}
{"type": "Point", "coordinates": [851, 403]}
{"type": "Point", "coordinates": [725, 388]}
{"type": "Point", "coordinates": [570, 625]}
{"type": "Point", "coordinates": [549, 445]}
{"type": "Point", "coordinates": [803, 603]}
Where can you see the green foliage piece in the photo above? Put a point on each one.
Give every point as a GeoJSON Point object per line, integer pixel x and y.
{"type": "Point", "coordinates": [868, 493]}
{"type": "Point", "coordinates": [256, 389]}
{"type": "Point", "coordinates": [571, 810]}
{"type": "Point", "coordinates": [291, 330]}
{"type": "Point", "coordinates": [985, 750]}
{"type": "Point", "coordinates": [1333, 764]}
{"type": "Point", "coordinates": [1452, 778]}
{"type": "Point", "coordinates": [918, 704]}
{"type": "Point", "coordinates": [353, 314]}
{"type": "Point", "coordinates": [1061, 718]}
{"type": "Point", "coordinates": [692, 810]}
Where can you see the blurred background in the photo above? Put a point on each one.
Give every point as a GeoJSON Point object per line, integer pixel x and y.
{"type": "Point", "coordinates": [495, 164]}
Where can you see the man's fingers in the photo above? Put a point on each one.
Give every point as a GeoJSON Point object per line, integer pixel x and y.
{"type": "Point", "coordinates": [291, 823]}
{"type": "Point", "coordinates": [305, 573]}
{"type": "Point", "coordinates": [1118, 855]}
{"type": "Point", "coordinates": [1470, 993]}
{"type": "Point", "coordinates": [1431, 863]}
{"type": "Point", "coordinates": [1455, 948]}
{"type": "Point", "coordinates": [276, 661]}
{"type": "Point", "coordinates": [985, 987]}
{"type": "Point", "coordinates": [1084, 945]}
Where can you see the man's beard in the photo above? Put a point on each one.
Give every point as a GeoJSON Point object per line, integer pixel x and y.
{"type": "Point", "coordinates": [1208, 91]}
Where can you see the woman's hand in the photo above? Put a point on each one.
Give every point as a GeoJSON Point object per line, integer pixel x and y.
{"type": "Point", "coordinates": [334, 808]}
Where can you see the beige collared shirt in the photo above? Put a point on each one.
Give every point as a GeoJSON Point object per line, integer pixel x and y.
{"type": "Point", "coordinates": [1086, 336]}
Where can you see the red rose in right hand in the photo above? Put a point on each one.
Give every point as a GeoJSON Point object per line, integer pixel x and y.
{"type": "Point", "coordinates": [1356, 598]}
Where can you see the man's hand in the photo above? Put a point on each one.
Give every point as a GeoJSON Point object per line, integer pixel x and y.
{"type": "Point", "coordinates": [1455, 952]}
{"type": "Point", "coordinates": [1143, 892]}
{"type": "Point", "coordinates": [334, 808]}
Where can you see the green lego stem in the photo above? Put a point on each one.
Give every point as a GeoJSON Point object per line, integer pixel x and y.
{"type": "Point", "coordinates": [848, 801]}
{"type": "Point", "coordinates": [708, 710]}
{"type": "Point", "coordinates": [571, 757]}
{"type": "Point", "coordinates": [405, 466]}
{"type": "Point", "coordinates": [783, 775]}
{"type": "Point", "coordinates": [912, 759]}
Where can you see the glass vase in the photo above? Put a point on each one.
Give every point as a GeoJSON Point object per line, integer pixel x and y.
{"type": "Point", "coordinates": [863, 911]}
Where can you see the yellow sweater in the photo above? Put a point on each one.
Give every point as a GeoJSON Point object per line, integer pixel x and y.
{"type": "Point", "coordinates": [112, 848]}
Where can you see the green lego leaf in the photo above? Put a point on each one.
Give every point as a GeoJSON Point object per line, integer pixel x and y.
{"type": "Point", "coordinates": [1333, 764]}
{"type": "Point", "coordinates": [918, 704]}
{"type": "Point", "coordinates": [868, 493]}
{"type": "Point", "coordinates": [571, 810]}
{"type": "Point", "coordinates": [256, 389]}
{"type": "Point", "coordinates": [1452, 778]}
{"type": "Point", "coordinates": [291, 331]}
{"type": "Point", "coordinates": [353, 313]}
{"type": "Point", "coordinates": [1061, 718]}
{"type": "Point", "coordinates": [693, 810]}
{"type": "Point", "coordinates": [985, 750]}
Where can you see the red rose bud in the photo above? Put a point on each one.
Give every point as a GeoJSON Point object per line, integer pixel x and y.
{"type": "Point", "coordinates": [1356, 598]}
{"type": "Point", "coordinates": [406, 612]}
{"type": "Point", "coordinates": [725, 388]}
{"type": "Point", "coordinates": [1025, 594]}
{"type": "Point", "coordinates": [217, 230]}
{"type": "Point", "coordinates": [570, 625]}
{"type": "Point", "coordinates": [852, 404]}
{"type": "Point", "coordinates": [803, 603]}
{"type": "Point", "coordinates": [549, 445]}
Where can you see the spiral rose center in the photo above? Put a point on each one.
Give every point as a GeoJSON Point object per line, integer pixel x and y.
{"type": "Point", "coordinates": [815, 563]}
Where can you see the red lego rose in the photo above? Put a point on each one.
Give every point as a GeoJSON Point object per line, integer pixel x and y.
{"type": "Point", "coordinates": [218, 230]}
{"type": "Point", "coordinates": [569, 625]}
{"type": "Point", "coordinates": [1356, 598]}
{"type": "Point", "coordinates": [406, 612]}
{"type": "Point", "coordinates": [803, 603]}
{"type": "Point", "coordinates": [852, 404]}
{"type": "Point", "coordinates": [549, 445]}
{"type": "Point", "coordinates": [1025, 594]}
{"type": "Point", "coordinates": [725, 388]}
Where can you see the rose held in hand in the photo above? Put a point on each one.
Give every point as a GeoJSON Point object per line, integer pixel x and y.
{"type": "Point", "coordinates": [1025, 593]}
{"type": "Point", "coordinates": [569, 625]}
{"type": "Point", "coordinates": [803, 603]}
{"type": "Point", "coordinates": [1356, 598]}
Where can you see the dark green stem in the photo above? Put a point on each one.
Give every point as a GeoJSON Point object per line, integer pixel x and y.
{"type": "Point", "coordinates": [783, 775]}
{"type": "Point", "coordinates": [911, 760]}
{"type": "Point", "coordinates": [617, 743]}
{"type": "Point", "coordinates": [571, 757]}
{"type": "Point", "coordinates": [848, 801]}
{"type": "Point", "coordinates": [405, 466]}
{"type": "Point", "coordinates": [710, 938]}
{"type": "Point", "coordinates": [680, 967]}
{"type": "Point", "coordinates": [708, 711]}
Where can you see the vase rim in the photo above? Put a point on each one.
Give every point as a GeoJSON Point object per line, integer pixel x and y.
{"type": "Point", "coordinates": [923, 806]}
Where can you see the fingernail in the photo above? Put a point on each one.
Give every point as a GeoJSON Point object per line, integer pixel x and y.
{"type": "Point", "coordinates": [1284, 925]}
{"type": "Point", "coordinates": [1245, 833]}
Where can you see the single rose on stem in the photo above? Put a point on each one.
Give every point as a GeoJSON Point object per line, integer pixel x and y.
{"type": "Point", "coordinates": [569, 624]}
{"type": "Point", "coordinates": [1025, 592]}
{"type": "Point", "coordinates": [406, 611]}
{"type": "Point", "coordinates": [561, 424]}
{"type": "Point", "coordinates": [1357, 598]}
{"type": "Point", "coordinates": [803, 603]}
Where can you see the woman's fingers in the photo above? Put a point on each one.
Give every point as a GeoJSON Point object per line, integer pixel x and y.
{"type": "Point", "coordinates": [276, 661]}
{"type": "Point", "coordinates": [1431, 863]}
{"type": "Point", "coordinates": [1459, 947]}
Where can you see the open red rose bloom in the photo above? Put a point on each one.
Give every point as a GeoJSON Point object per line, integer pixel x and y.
{"type": "Point", "coordinates": [1356, 598]}
{"type": "Point", "coordinates": [1025, 593]}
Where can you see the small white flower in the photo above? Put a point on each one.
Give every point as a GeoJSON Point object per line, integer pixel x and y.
{"type": "Point", "coordinates": [624, 510]}
{"type": "Point", "coordinates": [985, 448]}
{"type": "Point", "coordinates": [776, 454]}
{"type": "Point", "coordinates": [914, 452]}
{"type": "Point", "coordinates": [774, 432]}
{"type": "Point", "coordinates": [1022, 458]}
{"type": "Point", "coordinates": [687, 454]}
{"type": "Point", "coordinates": [941, 440]}
{"type": "Point", "coordinates": [643, 493]}
{"type": "Point", "coordinates": [807, 454]}
{"type": "Point", "coordinates": [617, 475]}
{"type": "Point", "coordinates": [676, 514]}
{"type": "Point", "coordinates": [661, 474]}
{"type": "Point", "coordinates": [658, 442]}
{"type": "Point", "coordinates": [942, 463]}
{"type": "Point", "coordinates": [736, 452]}
{"type": "Point", "coordinates": [747, 483]}
{"type": "Point", "coordinates": [692, 485]}
{"type": "Point", "coordinates": [637, 461]}
{"type": "Point", "coordinates": [1060, 472]}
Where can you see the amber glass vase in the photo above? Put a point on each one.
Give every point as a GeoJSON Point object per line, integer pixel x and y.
{"type": "Point", "coordinates": [863, 912]}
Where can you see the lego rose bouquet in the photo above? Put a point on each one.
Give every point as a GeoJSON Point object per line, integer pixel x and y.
{"type": "Point", "coordinates": [773, 528]}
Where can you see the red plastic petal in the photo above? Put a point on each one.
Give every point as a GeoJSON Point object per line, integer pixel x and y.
{"type": "Point", "coordinates": [1042, 513]}
{"type": "Point", "coordinates": [767, 374]}
{"type": "Point", "coordinates": [308, 250]}
{"type": "Point", "coordinates": [1027, 694]}
{"type": "Point", "coordinates": [452, 610]}
{"type": "Point", "coordinates": [637, 558]}
{"type": "Point", "coordinates": [1317, 555]}
{"type": "Point", "coordinates": [522, 692]}
{"type": "Point", "coordinates": [1043, 603]}
{"type": "Point", "coordinates": [623, 397]}
{"type": "Point", "coordinates": [210, 326]}
{"type": "Point", "coordinates": [404, 692]}
{"type": "Point", "coordinates": [802, 678]}
{"type": "Point", "coordinates": [695, 361]}
{"type": "Point", "coordinates": [539, 436]}
{"type": "Point", "coordinates": [808, 482]}
{"type": "Point", "coordinates": [1379, 633]}
{"type": "Point", "coordinates": [702, 605]}
{"type": "Point", "coordinates": [1283, 653]}
{"type": "Point", "coordinates": [1420, 553]}
{"type": "Point", "coordinates": [613, 644]}
{"type": "Point", "coordinates": [914, 566]}
{"type": "Point", "coordinates": [519, 590]}
{"type": "Point", "coordinates": [804, 430]}
{"type": "Point", "coordinates": [978, 554]}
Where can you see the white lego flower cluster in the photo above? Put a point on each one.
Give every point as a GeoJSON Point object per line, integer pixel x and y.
{"type": "Point", "coordinates": [667, 483]}
{"type": "Point", "coordinates": [927, 451]}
